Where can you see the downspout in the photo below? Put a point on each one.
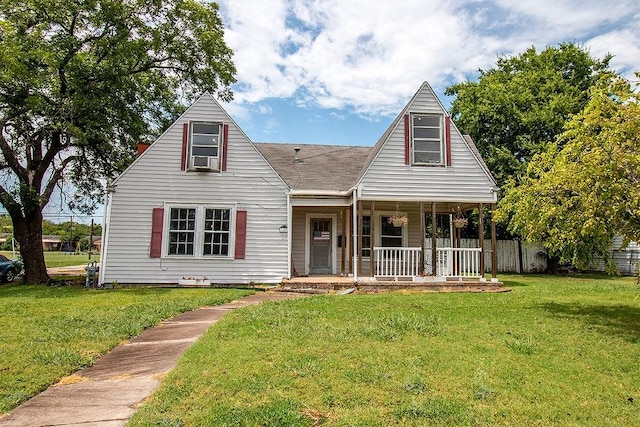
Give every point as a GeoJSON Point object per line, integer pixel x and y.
{"type": "Point", "coordinates": [356, 254]}
{"type": "Point", "coordinates": [289, 236]}
{"type": "Point", "coordinates": [106, 217]}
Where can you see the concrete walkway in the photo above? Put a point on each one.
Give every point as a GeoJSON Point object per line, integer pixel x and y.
{"type": "Point", "coordinates": [108, 393]}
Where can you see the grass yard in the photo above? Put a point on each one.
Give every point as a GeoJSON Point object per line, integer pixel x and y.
{"type": "Point", "coordinates": [60, 259]}
{"type": "Point", "coordinates": [555, 351]}
{"type": "Point", "coordinates": [47, 333]}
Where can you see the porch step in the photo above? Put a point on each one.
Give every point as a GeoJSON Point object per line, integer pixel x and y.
{"type": "Point", "coordinates": [315, 286]}
{"type": "Point", "coordinates": [447, 286]}
{"type": "Point", "coordinates": [315, 291]}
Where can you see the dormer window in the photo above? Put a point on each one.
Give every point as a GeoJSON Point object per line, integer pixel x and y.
{"type": "Point", "coordinates": [427, 139]}
{"type": "Point", "coordinates": [205, 146]}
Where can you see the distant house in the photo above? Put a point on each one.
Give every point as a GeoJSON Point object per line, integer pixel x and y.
{"type": "Point", "coordinates": [51, 243]}
{"type": "Point", "coordinates": [205, 201]}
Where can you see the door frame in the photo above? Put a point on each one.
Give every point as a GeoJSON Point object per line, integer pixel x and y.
{"type": "Point", "coordinates": [307, 244]}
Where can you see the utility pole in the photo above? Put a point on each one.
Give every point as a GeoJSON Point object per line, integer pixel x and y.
{"type": "Point", "coordinates": [91, 239]}
{"type": "Point", "coordinates": [71, 248]}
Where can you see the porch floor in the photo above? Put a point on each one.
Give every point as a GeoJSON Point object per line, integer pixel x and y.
{"type": "Point", "coordinates": [326, 284]}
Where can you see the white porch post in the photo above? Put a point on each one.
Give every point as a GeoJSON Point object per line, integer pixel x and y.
{"type": "Point", "coordinates": [356, 255]}
{"type": "Point", "coordinates": [481, 239]}
{"type": "Point", "coordinates": [434, 239]}
{"type": "Point", "coordinates": [289, 235]}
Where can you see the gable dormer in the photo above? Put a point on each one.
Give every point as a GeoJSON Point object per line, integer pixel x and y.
{"type": "Point", "coordinates": [423, 156]}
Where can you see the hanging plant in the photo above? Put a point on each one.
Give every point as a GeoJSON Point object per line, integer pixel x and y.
{"type": "Point", "coordinates": [460, 222]}
{"type": "Point", "coordinates": [398, 220]}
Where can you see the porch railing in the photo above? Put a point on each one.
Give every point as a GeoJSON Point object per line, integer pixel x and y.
{"type": "Point", "coordinates": [396, 262]}
{"type": "Point", "coordinates": [458, 262]}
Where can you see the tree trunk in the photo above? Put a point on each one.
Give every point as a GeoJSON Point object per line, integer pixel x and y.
{"type": "Point", "coordinates": [28, 233]}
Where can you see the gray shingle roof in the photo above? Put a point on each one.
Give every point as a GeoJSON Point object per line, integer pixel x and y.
{"type": "Point", "coordinates": [322, 167]}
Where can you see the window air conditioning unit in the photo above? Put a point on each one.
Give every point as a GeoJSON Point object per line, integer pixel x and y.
{"type": "Point", "coordinates": [204, 163]}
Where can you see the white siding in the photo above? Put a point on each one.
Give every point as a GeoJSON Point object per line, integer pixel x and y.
{"type": "Point", "coordinates": [389, 178]}
{"type": "Point", "coordinates": [249, 183]}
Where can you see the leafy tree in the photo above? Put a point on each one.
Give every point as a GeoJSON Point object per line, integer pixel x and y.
{"type": "Point", "coordinates": [514, 110]}
{"type": "Point", "coordinates": [585, 188]}
{"type": "Point", "coordinates": [71, 231]}
{"type": "Point", "coordinates": [81, 82]}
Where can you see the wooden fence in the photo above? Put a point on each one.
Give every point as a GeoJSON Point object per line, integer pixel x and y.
{"type": "Point", "coordinates": [517, 257]}
{"type": "Point", "coordinates": [513, 256]}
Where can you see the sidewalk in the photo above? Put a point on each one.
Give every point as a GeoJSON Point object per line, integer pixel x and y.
{"type": "Point", "coordinates": [108, 393]}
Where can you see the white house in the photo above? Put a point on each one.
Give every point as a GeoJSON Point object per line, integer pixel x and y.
{"type": "Point", "coordinates": [205, 202]}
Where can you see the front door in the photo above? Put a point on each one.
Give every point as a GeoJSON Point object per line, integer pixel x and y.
{"type": "Point", "coordinates": [320, 250]}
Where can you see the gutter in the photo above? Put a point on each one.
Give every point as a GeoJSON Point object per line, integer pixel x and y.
{"type": "Point", "coordinates": [322, 193]}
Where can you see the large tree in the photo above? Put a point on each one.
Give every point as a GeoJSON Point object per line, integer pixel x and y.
{"type": "Point", "coordinates": [585, 189]}
{"type": "Point", "coordinates": [514, 110]}
{"type": "Point", "coordinates": [81, 82]}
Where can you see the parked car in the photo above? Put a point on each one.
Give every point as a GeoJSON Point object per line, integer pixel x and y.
{"type": "Point", "coordinates": [9, 269]}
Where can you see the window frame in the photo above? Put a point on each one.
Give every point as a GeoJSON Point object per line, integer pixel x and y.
{"type": "Point", "coordinates": [181, 231]}
{"type": "Point", "coordinates": [222, 232]}
{"type": "Point", "coordinates": [377, 238]}
{"type": "Point", "coordinates": [440, 140]}
{"type": "Point", "coordinates": [365, 247]}
{"type": "Point", "coordinates": [192, 145]}
{"type": "Point", "coordinates": [199, 231]}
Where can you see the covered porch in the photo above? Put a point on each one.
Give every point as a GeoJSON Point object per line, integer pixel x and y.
{"type": "Point", "coordinates": [365, 242]}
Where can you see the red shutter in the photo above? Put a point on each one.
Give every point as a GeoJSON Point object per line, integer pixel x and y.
{"type": "Point", "coordinates": [185, 143]}
{"type": "Point", "coordinates": [407, 140]}
{"type": "Point", "coordinates": [225, 139]}
{"type": "Point", "coordinates": [241, 234]}
{"type": "Point", "coordinates": [157, 220]}
{"type": "Point", "coordinates": [447, 136]}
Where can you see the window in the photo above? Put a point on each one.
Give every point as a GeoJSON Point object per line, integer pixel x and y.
{"type": "Point", "coordinates": [182, 230]}
{"type": "Point", "coordinates": [390, 235]}
{"type": "Point", "coordinates": [366, 236]}
{"type": "Point", "coordinates": [205, 146]}
{"type": "Point", "coordinates": [199, 232]}
{"type": "Point", "coordinates": [216, 232]}
{"type": "Point", "coordinates": [426, 132]}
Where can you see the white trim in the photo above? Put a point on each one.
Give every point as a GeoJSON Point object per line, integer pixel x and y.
{"type": "Point", "coordinates": [289, 236]}
{"type": "Point", "coordinates": [412, 139]}
{"type": "Point", "coordinates": [315, 202]}
{"type": "Point", "coordinates": [217, 167]}
{"type": "Point", "coordinates": [327, 193]}
{"type": "Point", "coordinates": [356, 255]}
{"type": "Point", "coordinates": [334, 245]}
{"type": "Point", "coordinates": [106, 221]}
{"type": "Point", "coordinates": [457, 200]}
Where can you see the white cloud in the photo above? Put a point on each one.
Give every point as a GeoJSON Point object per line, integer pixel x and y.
{"type": "Point", "coordinates": [624, 45]}
{"type": "Point", "coordinates": [369, 57]}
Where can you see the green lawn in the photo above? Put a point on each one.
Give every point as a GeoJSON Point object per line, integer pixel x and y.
{"type": "Point", "coordinates": [555, 351]}
{"type": "Point", "coordinates": [61, 259]}
{"type": "Point", "coordinates": [47, 333]}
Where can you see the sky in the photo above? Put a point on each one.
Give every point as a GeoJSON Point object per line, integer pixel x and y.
{"type": "Point", "coordinates": [339, 71]}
